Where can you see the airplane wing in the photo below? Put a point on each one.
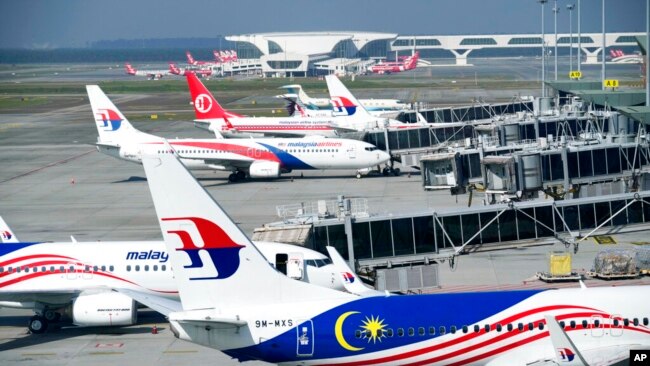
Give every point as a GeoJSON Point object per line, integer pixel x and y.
{"type": "Point", "coordinates": [163, 305]}
{"type": "Point", "coordinates": [49, 297]}
{"type": "Point", "coordinates": [350, 280]}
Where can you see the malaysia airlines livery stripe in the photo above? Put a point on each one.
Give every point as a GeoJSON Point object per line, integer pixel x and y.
{"type": "Point", "coordinates": [23, 268]}
{"type": "Point", "coordinates": [271, 153]}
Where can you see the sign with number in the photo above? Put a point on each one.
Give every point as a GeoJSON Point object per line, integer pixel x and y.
{"type": "Point", "coordinates": [610, 83]}
{"type": "Point", "coordinates": [575, 74]}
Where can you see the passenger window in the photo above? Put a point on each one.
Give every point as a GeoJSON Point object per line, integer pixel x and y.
{"type": "Point", "coordinates": [146, 267]}
{"type": "Point", "coordinates": [432, 330]}
{"type": "Point", "coordinates": [635, 321]}
{"type": "Point", "coordinates": [572, 324]}
{"type": "Point", "coordinates": [103, 268]}
{"type": "Point", "coordinates": [155, 267]}
{"type": "Point", "coordinates": [530, 326]}
{"type": "Point", "coordinates": [111, 268]}
{"type": "Point", "coordinates": [540, 326]}
{"type": "Point", "coordinates": [465, 329]}
{"type": "Point", "coordinates": [597, 323]}
{"type": "Point", "coordinates": [357, 333]}
{"type": "Point", "coordinates": [487, 328]}
{"type": "Point", "coordinates": [562, 324]}
{"type": "Point", "coordinates": [452, 329]}
{"type": "Point", "coordinates": [421, 331]}
{"type": "Point", "coordinates": [626, 322]}
{"type": "Point", "coordinates": [442, 330]}
{"type": "Point", "coordinates": [128, 268]}
{"type": "Point", "coordinates": [137, 267]}
{"type": "Point", "coordinates": [584, 324]}
{"type": "Point", "coordinates": [52, 269]}
{"type": "Point", "coordinates": [389, 332]}
{"type": "Point", "coordinates": [95, 269]}
{"type": "Point", "coordinates": [26, 269]}
{"type": "Point", "coordinates": [520, 327]}
{"type": "Point", "coordinates": [645, 321]}
{"type": "Point", "coordinates": [18, 269]}
{"type": "Point", "coordinates": [400, 332]}
{"type": "Point", "coordinates": [163, 267]}
{"type": "Point", "coordinates": [44, 269]}
{"type": "Point", "coordinates": [616, 322]}
{"type": "Point", "coordinates": [499, 327]}
{"type": "Point", "coordinates": [510, 327]}
{"type": "Point", "coordinates": [411, 332]}
{"type": "Point", "coordinates": [476, 328]}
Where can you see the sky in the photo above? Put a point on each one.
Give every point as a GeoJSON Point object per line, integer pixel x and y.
{"type": "Point", "coordinates": [76, 23]}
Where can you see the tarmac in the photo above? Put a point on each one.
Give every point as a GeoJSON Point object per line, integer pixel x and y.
{"type": "Point", "coordinates": [54, 185]}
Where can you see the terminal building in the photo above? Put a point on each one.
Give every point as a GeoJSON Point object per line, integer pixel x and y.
{"type": "Point", "coordinates": [342, 53]}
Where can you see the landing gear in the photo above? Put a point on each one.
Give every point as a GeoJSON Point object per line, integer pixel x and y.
{"type": "Point", "coordinates": [52, 316]}
{"type": "Point", "coordinates": [358, 175]}
{"type": "Point", "coordinates": [390, 171]}
{"type": "Point", "coordinates": [37, 324]}
{"type": "Point", "coordinates": [237, 176]}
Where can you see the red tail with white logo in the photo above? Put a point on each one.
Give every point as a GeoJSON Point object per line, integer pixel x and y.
{"type": "Point", "coordinates": [174, 69]}
{"type": "Point", "coordinates": [190, 59]}
{"type": "Point", "coordinates": [205, 105]}
{"type": "Point", "coordinates": [129, 69]}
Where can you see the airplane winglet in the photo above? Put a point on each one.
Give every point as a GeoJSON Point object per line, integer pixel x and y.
{"type": "Point", "coordinates": [351, 282]}
{"type": "Point", "coordinates": [6, 235]}
{"type": "Point", "coordinates": [566, 351]}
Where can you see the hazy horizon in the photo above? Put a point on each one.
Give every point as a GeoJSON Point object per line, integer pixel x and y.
{"type": "Point", "coordinates": [45, 24]}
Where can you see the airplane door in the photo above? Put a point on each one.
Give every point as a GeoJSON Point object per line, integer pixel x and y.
{"type": "Point", "coordinates": [616, 329]}
{"type": "Point", "coordinates": [352, 152]}
{"type": "Point", "coordinates": [296, 266]}
{"type": "Point", "coordinates": [597, 326]}
{"type": "Point", "coordinates": [305, 338]}
{"type": "Point", "coordinates": [281, 260]}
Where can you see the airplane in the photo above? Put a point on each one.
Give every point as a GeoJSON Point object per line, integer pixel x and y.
{"type": "Point", "coordinates": [371, 105]}
{"type": "Point", "coordinates": [407, 63]}
{"type": "Point", "coordinates": [150, 74]}
{"type": "Point", "coordinates": [618, 56]}
{"type": "Point", "coordinates": [193, 62]}
{"type": "Point", "coordinates": [186, 71]}
{"type": "Point", "coordinates": [212, 117]}
{"type": "Point", "coordinates": [254, 158]}
{"type": "Point", "coordinates": [80, 280]}
{"type": "Point", "coordinates": [233, 301]}
{"type": "Point", "coordinates": [6, 235]}
{"type": "Point", "coordinates": [225, 56]}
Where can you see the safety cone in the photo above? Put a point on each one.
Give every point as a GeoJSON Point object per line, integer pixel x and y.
{"type": "Point", "coordinates": [154, 330]}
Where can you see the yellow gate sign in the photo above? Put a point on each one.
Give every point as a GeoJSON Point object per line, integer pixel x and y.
{"type": "Point", "coordinates": [610, 83]}
{"type": "Point", "coordinates": [575, 74]}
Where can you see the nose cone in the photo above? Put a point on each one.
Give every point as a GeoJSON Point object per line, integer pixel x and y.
{"type": "Point", "coordinates": [382, 157]}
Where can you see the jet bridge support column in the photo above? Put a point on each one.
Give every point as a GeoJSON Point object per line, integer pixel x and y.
{"type": "Point", "coordinates": [565, 170]}
{"type": "Point", "coordinates": [348, 234]}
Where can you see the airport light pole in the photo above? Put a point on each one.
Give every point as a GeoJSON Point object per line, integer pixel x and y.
{"type": "Point", "coordinates": [579, 39]}
{"type": "Point", "coordinates": [570, 9]}
{"type": "Point", "coordinates": [602, 71]}
{"type": "Point", "coordinates": [556, 10]}
{"type": "Point", "coordinates": [543, 2]}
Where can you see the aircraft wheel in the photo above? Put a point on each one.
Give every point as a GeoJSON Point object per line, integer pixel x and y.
{"type": "Point", "coordinates": [396, 172]}
{"type": "Point", "coordinates": [358, 175]}
{"type": "Point", "coordinates": [232, 178]}
{"type": "Point", "coordinates": [241, 175]}
{"type": "Point", "coordinates": [37, 324]}
{"type": "Point", "coordinates": [385, 171]}
{"type": "Point", "coordinates": [52, 316]}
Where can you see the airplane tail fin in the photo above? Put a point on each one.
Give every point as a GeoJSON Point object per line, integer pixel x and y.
{"type": "Point", "coordinates": [174, 69]}
{"type": "Point", "coordinates": [215, 264]}
{"type": "Point", "coordinates": [111, 124]}
{"type": "Point", "coordinates": [344, 103]}
{"type": "Point", "coordinates": [216, 56]}
{"type": "Point", "coordinates": [190, 59]}
{"type": "Point", "coordinates": [6, 235]}
{"type": "Point", "coordinates": [129, 69]}
{"type": "Point", "coordinates": [566, 352]}
{"type": "Point", "coordinates": [205, 105]}
{"type": "Point", "coordinates": [351, 282]}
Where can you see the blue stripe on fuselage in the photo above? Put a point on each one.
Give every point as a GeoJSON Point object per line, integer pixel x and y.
{"type": "Point", "coordinates": [288, 161]}
{"type": "Point", "coordinates": [404, 312]}
{"type": "Point", "coordinates": [6, 248]}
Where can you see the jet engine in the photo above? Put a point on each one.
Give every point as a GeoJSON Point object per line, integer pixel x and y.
{"type": "Point", "coordinates": [264, 169]}
{"type": "Point", "coordinates": [102, 309]}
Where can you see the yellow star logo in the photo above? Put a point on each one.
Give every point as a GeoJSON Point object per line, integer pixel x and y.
{"type": "Point", "coordinates": [373, 329]}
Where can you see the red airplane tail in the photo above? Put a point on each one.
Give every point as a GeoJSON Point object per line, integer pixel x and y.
{"type": "Point", "coordinates": [174, 69]}
{"type": "Point", "coordinates": [190, 59]}
{"type": "Point", "coordinates": [412, 62]}
{"type": "Point", "coordinates": [129, 69]}
{"type": "Point", "coordinates": [216, 56]}
{"type": "Point", "coordinates": [205, 105]}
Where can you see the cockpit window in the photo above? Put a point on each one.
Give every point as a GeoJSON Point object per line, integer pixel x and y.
{"type": "Point", "coordinates": [318, 262]}
{"type": "Point", "coordinates": [371, 148]}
